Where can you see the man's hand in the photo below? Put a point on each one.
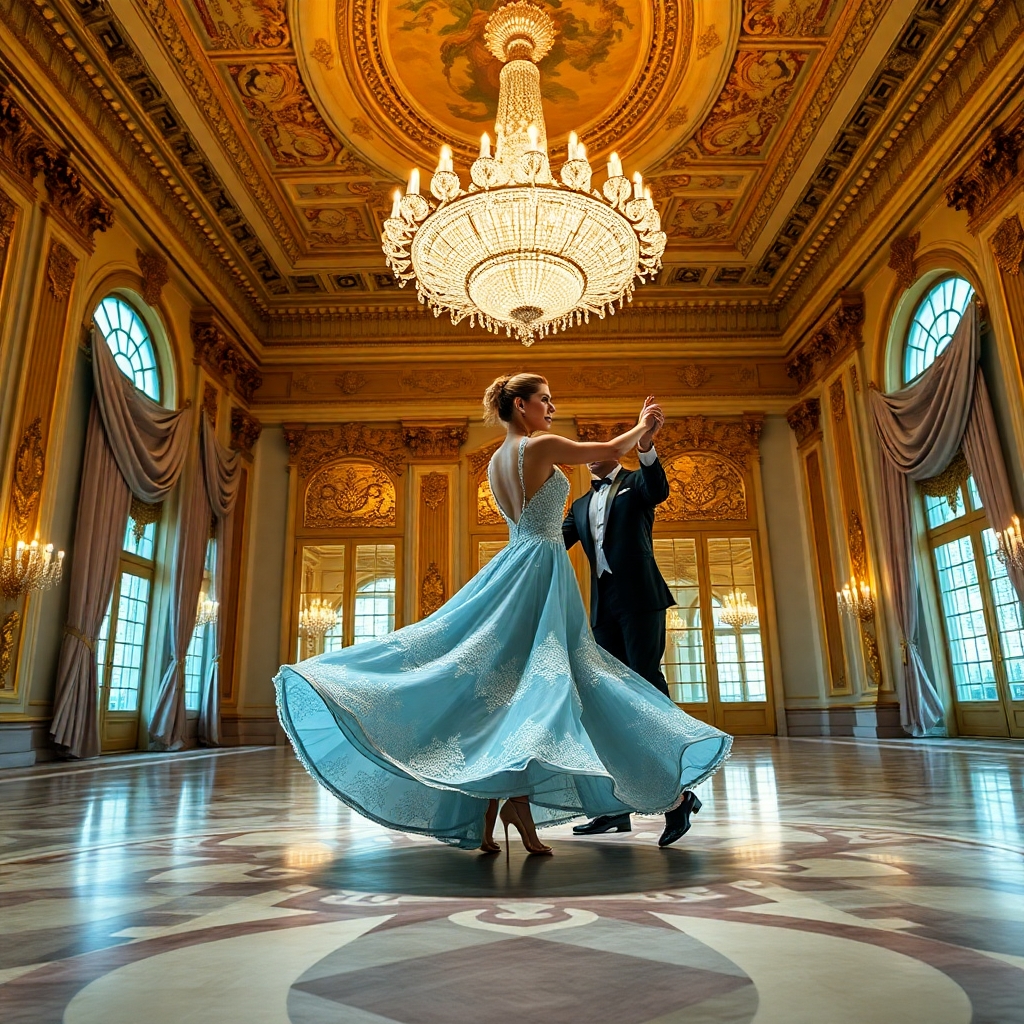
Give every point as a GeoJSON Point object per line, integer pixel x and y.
{"type": "Point", "coordinates": [647, 440]}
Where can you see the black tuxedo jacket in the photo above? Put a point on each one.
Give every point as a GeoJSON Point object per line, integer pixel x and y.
{"type": "Point", "coordinates": [628, 538]}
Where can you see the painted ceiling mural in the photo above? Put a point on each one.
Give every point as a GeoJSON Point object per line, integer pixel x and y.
{"type": "Point", "coordinates": [321, 108]}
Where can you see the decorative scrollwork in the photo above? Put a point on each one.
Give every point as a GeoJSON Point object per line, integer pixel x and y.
{"type": "Point", "coordinates": [245, 430]}
{"type": "Point", "coordinates": [902, 258]}
{"type": "Point", "coordinates": [432, 591]}
{"type": "Point", "coordinates": [434, 490]}
{"type": "Point", "coordinates": [312, 447]}
{"type": "Point", "coordinates": [703, 487]}
{"type": "Point", "coordinates": [805, 419]}
{"type": "Point", "coordinates": [153, 267]}
{"type": "Point", "coordinates": [1008, 245]}
{"type": "Point", "coordinates": [7, 630]}
{"type": "Point", "coordinates": [947, 484]}
{"type": "Point", "coordinates": [350, 494]}
{"type": "Point", "coordinates": [61, 265]}
{"type": "Point", "coordinates": [29, 465]}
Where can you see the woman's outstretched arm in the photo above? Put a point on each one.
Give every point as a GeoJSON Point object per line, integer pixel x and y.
{"type": "Point", "coordinates": [556, 449]}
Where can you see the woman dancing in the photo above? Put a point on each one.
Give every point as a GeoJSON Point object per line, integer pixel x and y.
{"type": "Point", "coordinates": [502, 693]}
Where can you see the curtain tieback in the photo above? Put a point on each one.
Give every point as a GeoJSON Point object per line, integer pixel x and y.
{"type": "Point", "coordinates": [89, 641]}
{"type": "Point", "coordinates": [905, 647]}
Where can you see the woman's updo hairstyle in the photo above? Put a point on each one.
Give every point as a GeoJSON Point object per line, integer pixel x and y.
{"type": "Point", "coordinates": [499, 398]}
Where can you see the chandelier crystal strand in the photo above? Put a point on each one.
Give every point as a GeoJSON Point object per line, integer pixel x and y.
{"type": "Point", "coordinates": [26, 567]}
{"type": "Point", "coordinates": [737, 611]}
{"type": "Point", "coordinates": [518, 251]}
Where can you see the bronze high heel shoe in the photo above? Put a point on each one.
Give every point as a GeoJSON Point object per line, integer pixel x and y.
{"type": "Point", "coordinates": [512, 815]}
{"type": "Point", "coordinates": [488, 845]}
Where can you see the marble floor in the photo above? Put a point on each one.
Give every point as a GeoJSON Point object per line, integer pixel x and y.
{"type": "Point", "coordinates": [824, 881]}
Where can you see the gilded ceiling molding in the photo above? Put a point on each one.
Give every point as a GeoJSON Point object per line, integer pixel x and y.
{"type": "Point", "coordinates": [309, 448]}
{"type": "Point", "coordinates": [903, 259]}
{"type": "Point", "coordinates": [245, 430]}
{"type": "Point", "coordinates": [153, 268]}
{"type": "Point", "coordinates": [694, 375]}
{"type": "Point", "coordinates": [442, 441]}
{"type": "Point", "coordinates": [436, 381]}
{"type": "Point", "coordinates": [863, 198]}
{"type": "Point", "coordinates": [223, 357]}
{"type": "Point", "coordinates": [850, 42]}
{"type": "Point", "coordinates": [606, 378]}
{"type": "Point", "coordinates": [804, 420]}
{"type": "Point", "coordinates": [89, 96]}
{"type": "Point", "coordinates": [738, 440]}
{"type": "Point", "coordinates": [993, 173]}
{"type": "Point", "coordinates": [29, 466]}
{"type": "Point", "coordinates": [182, 52]}
{"type": "Point", "coordinates": [27, 152]}
{"type": "Point", "coordinates": [840, 332]}
{"type": "Point", "coordinates": [1008, 245]}
{"type": "Point", "coordinates": [61, 265]}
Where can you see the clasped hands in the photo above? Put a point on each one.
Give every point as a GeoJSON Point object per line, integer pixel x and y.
{"type": "Point", "coordinates": [653, 419]}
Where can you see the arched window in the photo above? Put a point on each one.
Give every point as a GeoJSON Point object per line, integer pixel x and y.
{"type": "Point", "coordinates": [128, 338]}
{"type": "Point", "coordinates": [935, 320]}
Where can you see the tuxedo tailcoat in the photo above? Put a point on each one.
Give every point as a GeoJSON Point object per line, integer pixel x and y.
{"type": "Point", "coordinates": [627, 605]}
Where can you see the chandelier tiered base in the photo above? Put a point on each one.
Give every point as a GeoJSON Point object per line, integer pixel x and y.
{"type": "Point", "coordinates": [516, 250]}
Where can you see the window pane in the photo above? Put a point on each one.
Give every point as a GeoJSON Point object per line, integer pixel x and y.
{"type": "Point", "coordinates": [101, 646]}
{"type": "Point", "coordinates": [487, 549]}
{"type": "Point", "coordinates": [128, 339]}
{"type": "Point", "coordinates": [129, 643]}
{"type": "Point", "coordinates": [683, 663]}
{"type": "Point", "coordinates": [738, 652]}
{"type": "Point", "coordinates": [973, 672]}
{"type": "Point", "coordinates": [374, 613]}
{"type": "Point", "coordinates": [195, 667]}
{"type": "Point", "coordinates": [938, 511]}
{"type": "Point", "coordinates": [972, 489]}
{"type": "Point", "coordinates": [935, 320]}
{"type": "Point", "coordinates": [143, 545]}
{"type": "Point", "coordinates": [1008, 617]}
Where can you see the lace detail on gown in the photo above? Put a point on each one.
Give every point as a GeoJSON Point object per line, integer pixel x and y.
{"type": "Point", "coordinates": [500, 692]}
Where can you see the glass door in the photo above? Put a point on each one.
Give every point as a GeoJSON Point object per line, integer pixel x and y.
{"type": "Point", "coordinates": [354, 590]}
{"type": "Point", "coordinates": [981, 617]}
{"type": "Point", "coordinates": [714, 652]}
{"type": "Point", "coordinates": [121, 643]}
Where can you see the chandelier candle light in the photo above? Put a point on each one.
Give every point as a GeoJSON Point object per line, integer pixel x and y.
{"type": "Point", "coordinates": [855, 599]}
{"type": "Point", "coordinates": [28, 567]}
{"type": "Point", "coordinates": [1010, 550]}
{"type": "Point", "coordinates": [518, 250]}
{"type": "Point", "coordinates": [318, 618]}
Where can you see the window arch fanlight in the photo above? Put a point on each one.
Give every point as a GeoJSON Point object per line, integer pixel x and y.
{"type": "Point", "coordinates": [934, 322]}
{"type": "Point", "coordinates": [131, 343]}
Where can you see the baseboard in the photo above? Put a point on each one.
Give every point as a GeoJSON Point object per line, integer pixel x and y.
{"type": "Point", "coordinates": [876, 721]}
{"type": "Point", "coordinates": [23, 744]}
{"type": "Point", "coordinates": [241, 731]}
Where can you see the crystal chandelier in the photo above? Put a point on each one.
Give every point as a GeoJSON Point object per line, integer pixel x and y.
{"type": "Point", "coordinates": [518, 250]}
{"type": "Point", "coordinates": [1010, 549]}
{"type": "Point", "coordinates": [737, 611]}
{"type": "Point", "coordinates": [207, 612]}
{"type": "Point", "coordinates": [318, 618]}
{"type": "Point", "coordinates": [856, 600]}
{"type": "Point", "coordinates": [28, 567]}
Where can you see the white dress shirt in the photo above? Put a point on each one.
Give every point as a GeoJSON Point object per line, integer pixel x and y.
{"type": "Point", "coordinates": [598, 512]}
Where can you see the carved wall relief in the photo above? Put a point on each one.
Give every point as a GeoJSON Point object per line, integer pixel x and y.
{"type": "Point", "coordinates": [805, 420]}
{"type": "Point", "coordinates": [7, 637]}
{"type": "Point", "coordinates": [350, 494]}
{"type": "Point", "coordinates": [1007, 245]}
{"type": "Point", "coordinates": [29, 464]}
{"type": "Point", "coordinates": [153, 267]}
{"type": "Point", "coordinates": [224, 358]}
{"type": "Point", "coordinates": [210, 402]}
{"type": "Point", "coordinates": [840, 332]}
{"type": "Point", "coordinates": [434, 557]}
{"type": "Point", "coordinates": [310, 448]}
{"type": "Point", "coordinates": [703, 487]}
{"type": "Point", "coordinates": [61, 265]}
{"type": "Point", "coordinates": [487, 511]}
{"type": "Point", "coordinates": [7, 215]}
{"type": "Point", "coordinates": [902, 258]}
{"type": "Point", "coordinates": [245, 430]}
{"type": "Point", "coordinates": [431, 441]}
{"type": "Point", "coordinates": [432, 591]}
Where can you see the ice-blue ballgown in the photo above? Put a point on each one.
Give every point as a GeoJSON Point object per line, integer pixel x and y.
{"type": "Point", "coordinates": [501, 692]}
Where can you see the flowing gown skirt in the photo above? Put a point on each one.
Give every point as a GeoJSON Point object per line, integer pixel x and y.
{"type": "Point", "coordinates": [499, 693]}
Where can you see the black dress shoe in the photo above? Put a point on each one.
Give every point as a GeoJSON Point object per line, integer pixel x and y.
{"type": "Point", "coordinates": [677, 822]}
{"type": "Point", "coordinates": [604, 823]}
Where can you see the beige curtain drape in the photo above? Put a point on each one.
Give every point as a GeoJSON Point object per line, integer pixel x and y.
{"type": "Point", "coordinates": [919, 431]}
{"type": "Point", "coordinates": [133, 446]}
{"type": "Point", "coordinates": [222, 474]}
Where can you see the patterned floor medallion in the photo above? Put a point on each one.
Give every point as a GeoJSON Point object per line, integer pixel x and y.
{"type": "Point", "coordinates": [844, 881]}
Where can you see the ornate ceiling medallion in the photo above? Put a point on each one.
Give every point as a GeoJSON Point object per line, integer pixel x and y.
{"type": "Point", "coordinates": [518, 250]}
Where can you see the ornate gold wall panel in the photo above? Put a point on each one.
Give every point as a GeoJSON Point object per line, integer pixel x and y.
{"type": "Point", "coordinates": [1008, 249]}
{"type": "Point", "coordinates": [703, 487]}
{"type": "Point", "coordinates": [8, 216]}
{"type": "Point", "coordinates": [821, 542]}
{"type": "Point", "coordinates": [434, 558]}
{"type": "Point", "coordinates": [350, 495]}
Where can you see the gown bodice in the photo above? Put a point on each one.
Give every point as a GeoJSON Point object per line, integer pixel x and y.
{"type": "Point", "coordinates": [540, 518]}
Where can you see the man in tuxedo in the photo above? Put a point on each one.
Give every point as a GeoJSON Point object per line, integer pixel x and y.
{"type": "Point", "coordinates": [614, 522]}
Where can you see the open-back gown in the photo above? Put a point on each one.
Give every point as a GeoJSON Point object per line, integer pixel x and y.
{"type": "Point", "coordinates": [501, 692]}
